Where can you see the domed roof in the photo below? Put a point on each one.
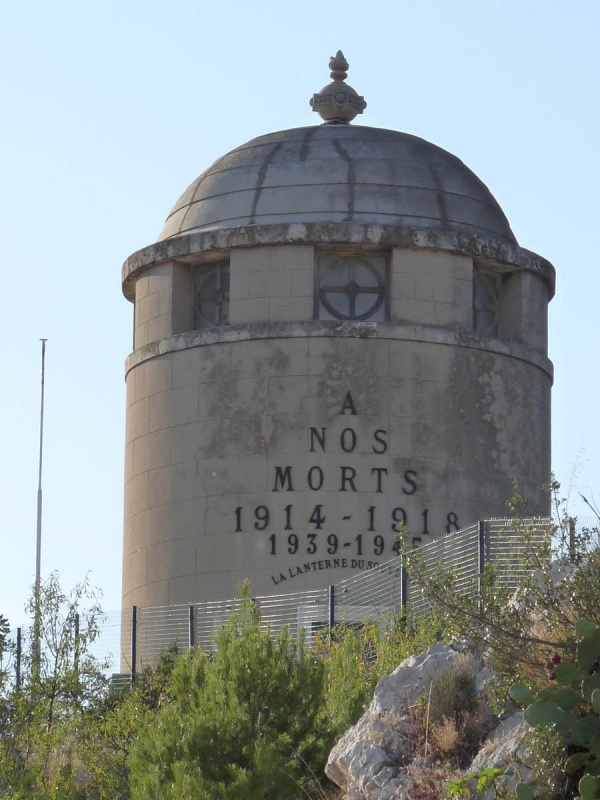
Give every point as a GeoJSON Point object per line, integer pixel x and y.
{"type": "Point", "coordinates": [339, 173]}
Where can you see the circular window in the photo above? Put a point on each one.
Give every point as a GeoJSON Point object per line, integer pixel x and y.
{"type": "Point", "coordinates": [212, 296]}
{"type": "Point", "coordinates": [485, 304]}
{"type": "Point", "coordinates": [352, 288]}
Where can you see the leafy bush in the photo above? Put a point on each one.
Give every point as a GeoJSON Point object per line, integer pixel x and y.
{"type": "Point", "coordinates": [478, 784]}
{"type": "Point", "coordinates": [109, 729]}
{"type": "Point", "coordinates": [572, 708]}
{"type": "Point", "coordinates": [516, 631]}
{"type": "Point", "coordinates": [350, 676]}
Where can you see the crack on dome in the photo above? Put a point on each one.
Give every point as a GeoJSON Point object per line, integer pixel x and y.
{"type": "Point", "coordinates": [351, 177]}
{"type": "Point", "coordinates": [262, 174]}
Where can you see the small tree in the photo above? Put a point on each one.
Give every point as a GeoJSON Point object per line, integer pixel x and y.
{"type": "Point", "coordinates": [246, 722]}
{"type": "Point", "coordinates": [112, 726]}
{"type": "Point", "coordinates": [518, 630]}
{"type": "Point", "coordinates": [60, 681]}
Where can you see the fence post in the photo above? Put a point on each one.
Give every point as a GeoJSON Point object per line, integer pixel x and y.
{"type": "Point", "coordinates": [572, 541]}
{"type": "Point", "coordinates": [403, 585]}
{"type": "Point", "coordinates": [331, 610]}
{"type": "Point", "coordinates": [133, 642]}
{"type": "Point", "coordinates": [191, 630]}
{"type": "Point", "coordinates": [76, 648]}
{"type": "Point", "coordinates": [481, 555]}
{"type": "Point", "coordinates": [18, 664]}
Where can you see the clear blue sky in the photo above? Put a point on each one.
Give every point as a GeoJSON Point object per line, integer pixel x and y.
{"type": "Point", "coordinates": [109, 110]}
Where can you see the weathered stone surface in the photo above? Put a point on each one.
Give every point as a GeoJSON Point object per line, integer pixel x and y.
{"type": "Point", "coordinates": [504, 749]}
{"type": "Point", "coordinates": [243, 450]}
{"type": "Point", "coordinates": [411, 680]}
{"type": "Point", "coordinates": [193, 247]}
{"type": "Point", "coordinates": [442, 426]}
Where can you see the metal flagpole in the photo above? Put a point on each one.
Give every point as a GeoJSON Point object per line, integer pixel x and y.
{"type": "Point", "coordinates": [38, 543]}
{"type": "Point", "coordinates": [38, 546]}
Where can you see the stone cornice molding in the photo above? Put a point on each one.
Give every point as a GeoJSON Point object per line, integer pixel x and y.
{"type": "Point", "coordinates": [193, 247]}
{"type": "Point", "coordinates": [334, 329]}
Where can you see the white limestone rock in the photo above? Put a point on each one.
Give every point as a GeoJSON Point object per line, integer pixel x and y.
{"type": "Point", "coordinates": [504, 749]}
{"type": "Point", "coordinates": [374, 759]}
{"type": "Point", "coordinates": [369, 762]}
{"type": "Point", "coordinates": [411, 680]}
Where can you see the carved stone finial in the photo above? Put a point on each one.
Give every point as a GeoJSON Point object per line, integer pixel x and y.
{"type": "Point", "coordinates": [338, 103]}
{"type": "Point", "coordinates": [338, 66]}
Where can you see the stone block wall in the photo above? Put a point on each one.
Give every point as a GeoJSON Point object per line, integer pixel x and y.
{"type": "Point", "coordinates": [288, 451]}
{"type": "Point", "coordinates": [231, 444]}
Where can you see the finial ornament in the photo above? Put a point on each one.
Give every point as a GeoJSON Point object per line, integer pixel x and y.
{"type": "Point", "coordinates": [338, 103]}
{"type": "Point", "coordinates": [338, 66]}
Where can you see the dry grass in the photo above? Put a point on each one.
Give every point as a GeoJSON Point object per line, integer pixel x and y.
{"type": "Point", "coordinates": [427, 779]}
{"type": "Point", "coordinates": [445, 738]}
{"type": "Point", "coordinates": [457, 739]}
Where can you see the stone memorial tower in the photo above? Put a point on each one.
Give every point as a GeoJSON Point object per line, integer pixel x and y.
{"type": "Point", "coordinates": [336, 335]}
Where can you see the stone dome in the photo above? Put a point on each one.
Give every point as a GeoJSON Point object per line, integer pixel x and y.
{"type": "Point", "coordinates": [339, 174]}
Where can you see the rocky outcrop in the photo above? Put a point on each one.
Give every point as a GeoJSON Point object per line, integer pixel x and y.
{"type": "Point", "coordinates": [377, 758]}
{"type": "Point", "coordinates": [504, 749]}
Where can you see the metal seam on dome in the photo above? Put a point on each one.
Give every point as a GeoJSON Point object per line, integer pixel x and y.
{"type": "Point", "coordinates": [370, 157]}
{"type": "Point", "coordinates": [426, 157]}
{"type": "Point", "coordinates": [391, 187]}
{"type": "Point", "coordinates": [200, 180]}
{"type": "Point", "coordinates": [314, 159]}
{"type": "Point", "coordinates": [423, 158]}
{"type": "Point", "coordinates": [459, 226]}
{"type": "Point", "coordinates": [411, 186]}
{"type": "Point", "coordinates": [493, 206]}
{"type": "Point", "coordinates": [485, 204]}
{"type": "Point", "coordinates": [183, 219]}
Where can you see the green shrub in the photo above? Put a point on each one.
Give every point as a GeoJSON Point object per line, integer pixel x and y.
{"type": "Point", "coordinates": [350, 678]}
{"type": "Point", "coordinates": [357, 658]}
{"type": "Point", "coordinates": [452, 693]}
{"type": "Point", "coordinates": [247, 722]}
{"type": "Point", "coordinates": [60, 682]}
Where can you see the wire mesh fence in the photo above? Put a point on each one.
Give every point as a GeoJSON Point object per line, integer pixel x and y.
{"type": "Point", "coordinates": [106, 648]}
{"type": "Point", "coordinates": [379, 592]}
{"type": "Point", "coordinates": [459, 553]}
{"type": "Point", "coordinates": [512, 546]}
{"type": "Point", "coordinates": [134, 638]}
{"type": "Point", "coordinates": [371, 595]}
{"type": "Point", "coordinates": [298, 611]}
